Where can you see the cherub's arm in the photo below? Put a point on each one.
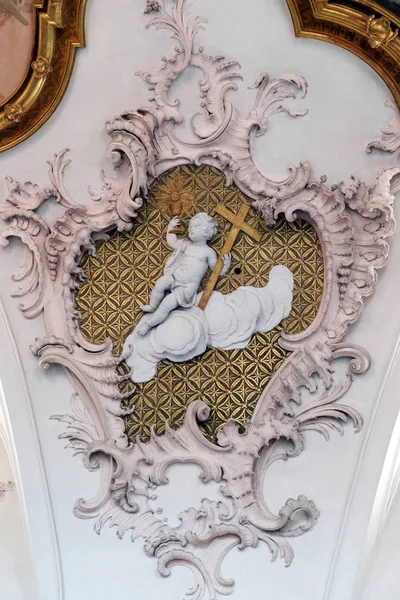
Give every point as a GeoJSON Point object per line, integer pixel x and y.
{"type": "Point", "coordinates": [227, 264]}
{"type": "Point", "coordinates": [212, 258]}
{"type": "Point", "coordinates": [212, 261]}
{"type": "Point", "coordinates": [171, 237]}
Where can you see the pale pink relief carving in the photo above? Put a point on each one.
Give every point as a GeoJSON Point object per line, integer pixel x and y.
{"type": "Point", "coordinates": [4, 488]}
{"type": "Point", "coordinates": [390, 140]}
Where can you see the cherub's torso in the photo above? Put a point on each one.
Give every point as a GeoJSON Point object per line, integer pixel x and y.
{"type": "Point", "coordinates": [192, 263]}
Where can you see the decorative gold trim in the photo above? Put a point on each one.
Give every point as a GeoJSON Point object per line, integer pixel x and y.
{"type": "Point", "coordinates": [343, 24]}
{"type": "Point", "coordinates": [59, 31]}
{"type": "Point", "coordinates": [12, 113]}
{"type": "Point", "coordinates": [378, 8]}
{"type": "Point", "coordinates": [41, 67]}
{"type": "Point", "coordinates": [380, 32]}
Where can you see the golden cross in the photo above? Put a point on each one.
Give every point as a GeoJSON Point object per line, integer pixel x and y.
{"type": "Point", "coordinates": [238, 224]}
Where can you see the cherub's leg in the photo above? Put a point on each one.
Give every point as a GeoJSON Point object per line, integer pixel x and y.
{"type": "Point", "coordinates": [161, 286]}
{"type": "Point", "coordinates": [167, 305]}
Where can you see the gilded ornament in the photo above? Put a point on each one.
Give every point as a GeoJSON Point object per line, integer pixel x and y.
{"type": "Point", "coordinates": [174, 198]}
{"type": "Point", "coordinates": [379, 31]}
{"type": "Point", "coordinates": [13, 113]}
{"type": "Point", "coordinates": [41, 67]}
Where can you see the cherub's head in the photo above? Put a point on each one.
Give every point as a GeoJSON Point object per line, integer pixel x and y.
{"type": "Point", "coordinates": [202, 227]}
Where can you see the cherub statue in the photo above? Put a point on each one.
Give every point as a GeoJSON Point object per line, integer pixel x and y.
{"type": "Point", "coordinates": [184, 270]}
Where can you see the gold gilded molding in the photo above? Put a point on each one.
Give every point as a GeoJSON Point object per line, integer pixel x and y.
{"type": "Point", "coordinates": [59, 31]}
{"type": "Point", "coordinates": [380, 32]}
{"type": "Point", "coordinates": [121, 276]}
{"type": "Point", "coordinates": [363, 27]}
{"type": "Point", "coordinates": [378, 8]}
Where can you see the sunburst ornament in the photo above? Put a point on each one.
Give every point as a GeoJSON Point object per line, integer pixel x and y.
{"type": "Point", "coordinates": [175, 197]}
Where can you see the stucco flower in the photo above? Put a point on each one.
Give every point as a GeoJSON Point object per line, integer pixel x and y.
{"type": "Point", "coordinates": [41, 67]}
{"type": "Point", "coordinates": [13, 113]}
{"type": "Point", "coordinates": [152, 6]}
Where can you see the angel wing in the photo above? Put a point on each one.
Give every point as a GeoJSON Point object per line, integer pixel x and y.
{"type": "Point", "coordinates": [11, 7]}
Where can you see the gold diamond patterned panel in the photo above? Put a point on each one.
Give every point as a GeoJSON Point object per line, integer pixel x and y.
{"type": "Point", "coordinates": [122, 276]}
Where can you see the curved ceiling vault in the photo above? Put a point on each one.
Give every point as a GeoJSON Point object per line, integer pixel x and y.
{"type": "Point", "coordinates": [364, 27]}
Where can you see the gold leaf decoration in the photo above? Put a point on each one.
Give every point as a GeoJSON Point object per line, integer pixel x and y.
{"type": "Point", "coordinates": [122, 276]}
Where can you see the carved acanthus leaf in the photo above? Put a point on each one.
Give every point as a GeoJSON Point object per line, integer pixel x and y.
{"type": "Point", "coordinates": [81, 431]}
{"type": "Point", "coordinates": [4, 488]}
{"type": "Point", "coordinates": [390, 140]}
{"type": "Point", "coordinates": [32, 231]}
{"type": "Point", "coordinates": [28, 196]}
{"type": "Point", "coordinates": [271, 94]}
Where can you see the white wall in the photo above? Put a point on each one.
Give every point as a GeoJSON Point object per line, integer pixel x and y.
{"type": "Point", "coordinates": [16, 574]}
{"type": "Point", "coordinates": [19, 434]}
{"type": "Point", "coordinates": [346, 111]}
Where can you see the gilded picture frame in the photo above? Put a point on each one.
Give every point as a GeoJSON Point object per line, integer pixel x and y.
{"type": "Point", "coordinates": [59, 31]}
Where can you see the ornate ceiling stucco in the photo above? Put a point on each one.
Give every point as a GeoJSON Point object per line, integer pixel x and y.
{"type": "Point", "coordinates": [366, 28]}
{"type": "Point", "coordinates": [352, 223]}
